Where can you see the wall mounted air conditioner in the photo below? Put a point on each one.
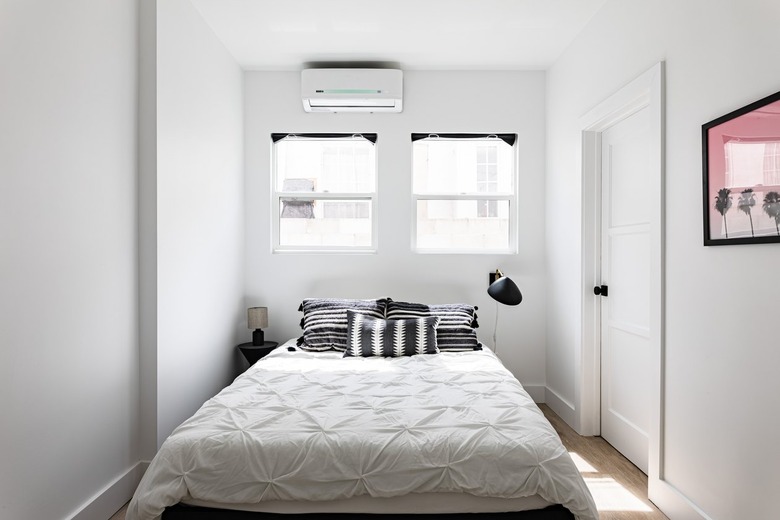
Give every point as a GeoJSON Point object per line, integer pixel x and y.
{"type": "Point", "coordinates": [352, 90]}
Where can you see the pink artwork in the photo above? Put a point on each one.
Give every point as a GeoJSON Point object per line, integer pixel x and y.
{"type": "Point", "coordinates": [741, 159]}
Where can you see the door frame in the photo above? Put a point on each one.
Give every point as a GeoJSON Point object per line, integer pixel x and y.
{"type": "Point", "coordinates": [646, 91]}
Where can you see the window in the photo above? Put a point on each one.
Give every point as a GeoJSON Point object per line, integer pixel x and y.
{"type": "Point", "coordinates": [463, 191]}
{"type": "Point", "coordinates": [324, 192]}
{"type": "Point", "coordinates": [752, 162]}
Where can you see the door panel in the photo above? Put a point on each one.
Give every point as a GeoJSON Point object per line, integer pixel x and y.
{"type": "Point", "coordinates": [629, 296]}
{"type": "Point", "coordinates": [625, 268]}
{"type": "Point", "coordinates": [630, 360]}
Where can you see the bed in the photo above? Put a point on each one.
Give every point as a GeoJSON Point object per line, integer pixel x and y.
{"type": "Point", "coordinates": [381, 407]}
{"type": "Point", "coordinates": [318, 432]}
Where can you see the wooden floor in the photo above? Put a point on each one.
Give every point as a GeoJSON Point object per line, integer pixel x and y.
{"type": "Point", "coordinates": [618, 487]}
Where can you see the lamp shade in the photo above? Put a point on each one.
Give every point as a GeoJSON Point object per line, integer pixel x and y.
{"type": "Point", "coordinates": [257, 317]}
{"type": "Point", "coordinates": [504, 290]}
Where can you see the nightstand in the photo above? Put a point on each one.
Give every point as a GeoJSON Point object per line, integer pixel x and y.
{"type": "Point", "coordinates": [254, 352]}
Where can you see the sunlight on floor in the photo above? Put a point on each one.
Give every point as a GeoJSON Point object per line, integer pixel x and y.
{"type": "Point", "coordinates": [608, 494]}
{"type": "Point", "coordinates": [582, 465]}
{"type": "Point", "coordinates": [611, 496]}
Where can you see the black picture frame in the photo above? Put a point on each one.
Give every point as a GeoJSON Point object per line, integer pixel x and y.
{"type": "Point", "coordinates": [741, 175]}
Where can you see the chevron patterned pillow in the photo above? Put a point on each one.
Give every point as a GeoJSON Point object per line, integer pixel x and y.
{"type": "Point", "coordinates": [324, 321]}
{"type": "Point", "coordinates": [368, 337]}
{"type": "Point", "coordinates": [456, 330]}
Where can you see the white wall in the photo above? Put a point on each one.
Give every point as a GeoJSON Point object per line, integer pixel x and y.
{"type": "Point", "coordinates": [433, 102]}
{"type": "Point", "coordinates": [147, 225]}
{"type": "Point", "coordinates": [199, 267]}
{"type": "Point", "coordinates": [68, 255]}
{"type": "Point", "coordinates": [721, 415]}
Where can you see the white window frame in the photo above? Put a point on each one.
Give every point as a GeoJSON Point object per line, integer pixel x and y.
{"type": "Point", "coordinates": [468, 196]}
{"type": "Point", "coordinates": [278, 195]}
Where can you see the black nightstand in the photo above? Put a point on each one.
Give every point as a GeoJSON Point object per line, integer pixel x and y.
{"type": "Point", "coordinates": [254, 352]}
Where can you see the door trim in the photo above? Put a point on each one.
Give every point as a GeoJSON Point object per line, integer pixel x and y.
{"type": "Point", "coordinates": [646, 91]}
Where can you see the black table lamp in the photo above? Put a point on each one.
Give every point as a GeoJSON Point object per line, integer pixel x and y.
{"type": "Point", "coordinates": [257, 318]}
{"type": "Point", "coordinates": [503, 290]}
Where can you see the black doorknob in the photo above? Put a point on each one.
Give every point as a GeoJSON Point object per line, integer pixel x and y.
{"type": "Point", "coordinates": [601, 290]}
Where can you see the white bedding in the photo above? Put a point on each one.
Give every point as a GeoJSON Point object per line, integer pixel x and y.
{"type": "Point", "coordinates": [320, 427]}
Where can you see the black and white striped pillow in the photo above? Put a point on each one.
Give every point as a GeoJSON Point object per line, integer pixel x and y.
{"type": "Point", "coordinates": [368, 337]}
{"type": "Point", "coordinates": [324, 321]}
{"type": "Point", "coordinates": [456, 331]}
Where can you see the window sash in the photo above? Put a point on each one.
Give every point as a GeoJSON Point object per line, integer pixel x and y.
{"type": "Point", "coordinates": [286, 248]}
{"type": "Point", "coordinates": [489, 172]}
{"type": "Point", "coordinates": [327, 177]}
{"type": "Point", "coordinates": [512, 220]}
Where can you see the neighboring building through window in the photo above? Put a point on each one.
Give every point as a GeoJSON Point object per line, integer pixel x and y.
{"type": "Point", "coordinates": [463, 186]}
{"type": "Point", "coordinates": [324, 192]}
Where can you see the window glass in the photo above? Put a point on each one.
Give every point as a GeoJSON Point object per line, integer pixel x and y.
{"type": "Point", "coordinates": [325, 223]}
{"type": "Point", "coordinates": [325, 165]}
{"type": "Point", "coordinates": [463, 166]}
{"type": "Point", "coordinates": [456, 224]}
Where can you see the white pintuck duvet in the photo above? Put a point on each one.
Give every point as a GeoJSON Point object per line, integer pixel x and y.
{"type": "Point", "coordinates": [316, 426]}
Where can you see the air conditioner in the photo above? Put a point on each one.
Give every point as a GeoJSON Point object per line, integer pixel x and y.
{"type": "Point", "coordinates": [352, 90]}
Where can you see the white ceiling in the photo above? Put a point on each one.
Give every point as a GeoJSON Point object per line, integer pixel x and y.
{"type": "Point", "coordinates": [409, 34]}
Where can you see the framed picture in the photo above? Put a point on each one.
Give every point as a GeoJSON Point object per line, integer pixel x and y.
{"type": "Point", "coordinates": [741, 159]}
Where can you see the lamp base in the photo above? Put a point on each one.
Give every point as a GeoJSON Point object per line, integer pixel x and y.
{"type": "Point", "coordinates": [258, 337]}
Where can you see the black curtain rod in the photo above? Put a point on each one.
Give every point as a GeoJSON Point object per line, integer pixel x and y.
{"type": "Point", "coordinates": [368, 137]}
{"type": "Point", "coordinates": [507, 138]}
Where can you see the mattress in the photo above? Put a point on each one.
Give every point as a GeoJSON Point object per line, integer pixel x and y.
{"type": "Point", "coordinates": [315, 428]}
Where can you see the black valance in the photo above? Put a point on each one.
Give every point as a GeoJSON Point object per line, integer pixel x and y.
{"type": "Point", "coordinates": [507, 138]}
{"type": "Point", "coordinates": [367, 137]}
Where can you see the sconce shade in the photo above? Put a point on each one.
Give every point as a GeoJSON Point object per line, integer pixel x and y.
{"type": "Point", "coordinates": [504, 290]}
{"type": "Point", "coordinates": [257, 317]}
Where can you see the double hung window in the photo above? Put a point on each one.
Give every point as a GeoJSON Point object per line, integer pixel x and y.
{"type": "Point", "coordinates": [464, 193]}
{"type": "Point", "coordinates": [324, 192]}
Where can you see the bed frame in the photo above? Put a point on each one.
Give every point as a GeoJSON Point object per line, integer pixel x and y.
{"type": "Point", "coordinates": [185, 512]}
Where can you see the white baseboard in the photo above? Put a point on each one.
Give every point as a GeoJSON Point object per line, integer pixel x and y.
{"type": "Point", "coordinates": [563, 408]}
{"type": "Point", "coordinates": [111, 498]}
{"type": "Point", "coordinates": [672, 502]}
{"type": "Point", "coordinates": [536, 392]}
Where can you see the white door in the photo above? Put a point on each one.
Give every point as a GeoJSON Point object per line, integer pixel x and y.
{"type": "Point", "coordinates": [625, 270]}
